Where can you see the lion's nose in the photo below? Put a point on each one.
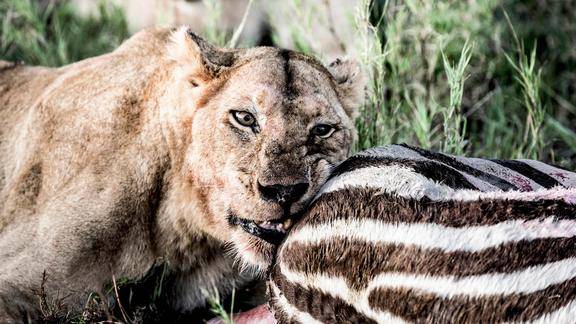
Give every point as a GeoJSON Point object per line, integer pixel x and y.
{"type": "Point", "coordinates": [284, 195]}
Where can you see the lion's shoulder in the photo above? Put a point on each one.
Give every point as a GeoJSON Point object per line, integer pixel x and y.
{"type": "Point", "coordinates": [5, 65]}
{"type": "Point", "coordinates": [149, 41]}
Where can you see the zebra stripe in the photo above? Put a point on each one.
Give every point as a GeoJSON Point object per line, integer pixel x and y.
{"type": "Point", "coordinates": [526, 170]}
{"type": "Point", "coordinates": [565, 314]}
{"type": "Point", "coordinates": [416, 306]}
{"type": "Point", "coordinates": [303, 292]}
{"type": "Point", "coordinates": [398, 179]}
{"type": "Point", "coordinates": [401, 234]}
{"type": "Point", "coordinates": [434, 236]}
{"type": "Point", "coordinates": [480, 209]}
{"type": "Point", "coordinates": [463, 167]}
{"type": "Point", "coordinates": [380, 258]}
{"type": "Point", "coordinates": [429, 169]}
{"type": "Point", "coordinates": [519, 181]}
{"type": "Point", "coordinates": [326, 307]}
{"type": "Point", "coordinates": [567, 178]}
{"type": "Point", "coordinates": [460, 172]}
{"type": "Point", "coordinates": [285, 312]}
{"type": "Point", "coordinates": [526, 281]}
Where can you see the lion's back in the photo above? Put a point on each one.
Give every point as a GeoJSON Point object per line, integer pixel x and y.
{"type": "Point", "coordinates": [20, 85]}
{"type": "Point", "coordinates": [39, 105]}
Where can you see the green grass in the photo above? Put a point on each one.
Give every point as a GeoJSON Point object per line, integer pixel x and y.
{"type": "Point", "coordinates": [55, 35]}
{"type": "Point", "coordinates": [218, 309]}
{"type": "Point", "coordinates": [429, 87]}
{"type": "Point", "coordinates": [477, 78]}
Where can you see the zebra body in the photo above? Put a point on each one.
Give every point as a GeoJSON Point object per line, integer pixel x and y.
{"type": "Point", "coordinates": [399, 234]}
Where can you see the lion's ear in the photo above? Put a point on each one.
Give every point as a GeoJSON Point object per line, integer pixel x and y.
{"type": "Point", "coordinates": [204, 59]}
{"type": "Point", "coordinates": [350, 84]}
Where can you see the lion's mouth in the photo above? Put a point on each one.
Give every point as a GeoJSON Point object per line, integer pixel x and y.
{"type": "Point", "coordinates": [271, 231]}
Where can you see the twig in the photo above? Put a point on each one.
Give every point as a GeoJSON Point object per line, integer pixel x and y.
{"type": "Point", "coordinates": [105, 306]}
{"type": "Point", "coordinates": [124, 315]}
{"type": "Point", "coordinates": [234, 41]}
{"type": "Point", "coordinates": [331, 25]}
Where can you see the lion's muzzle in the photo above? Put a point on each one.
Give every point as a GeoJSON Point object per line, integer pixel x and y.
{"type": "Point", "coordinates": [271, 231]}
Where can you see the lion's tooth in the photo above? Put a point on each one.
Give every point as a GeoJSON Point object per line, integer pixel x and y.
{"type": "Point", "coordinates": [287, 224]}
{"type": "Point", "coordinates": [268, 225]}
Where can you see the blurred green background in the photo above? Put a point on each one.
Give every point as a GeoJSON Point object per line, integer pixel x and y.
{"type": "Point", "coordinates": [488, 78]}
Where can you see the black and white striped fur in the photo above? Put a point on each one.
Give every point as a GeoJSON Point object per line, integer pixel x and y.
{"type": "Point", "coordinates": [400, 234]}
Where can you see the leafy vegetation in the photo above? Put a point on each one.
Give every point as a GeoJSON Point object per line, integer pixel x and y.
{"type": "Point", "coordinates": [50, 33]}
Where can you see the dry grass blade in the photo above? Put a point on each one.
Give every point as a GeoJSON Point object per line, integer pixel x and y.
{"type": "Point", "coordinates": [234, 40]}
{"type": "Point", "coordinates": [119, 302]}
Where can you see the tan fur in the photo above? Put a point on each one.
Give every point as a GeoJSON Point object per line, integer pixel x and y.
{"type": "Point", "coordinates": [120, 162]}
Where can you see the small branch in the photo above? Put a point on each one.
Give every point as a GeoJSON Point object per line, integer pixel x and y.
{"type": "Point", "coordinates": [331, 25]}
{"type": "Point", "coordinates": [234, 41]}
{"type": "Point", "coordinates": [124, 315]}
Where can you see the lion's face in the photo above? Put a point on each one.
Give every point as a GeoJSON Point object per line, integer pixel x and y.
{"type": "Point", "coordinates": [265, 129]}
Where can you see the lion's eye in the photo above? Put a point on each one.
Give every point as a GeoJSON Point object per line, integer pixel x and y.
{"type": "Point", "coordinates": [322, 130]}
{"type": "Point", "coordinates": [244, 118]}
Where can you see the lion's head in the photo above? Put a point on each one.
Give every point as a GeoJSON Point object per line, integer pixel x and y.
{"type": "Point", "coordinates": [256, 132]}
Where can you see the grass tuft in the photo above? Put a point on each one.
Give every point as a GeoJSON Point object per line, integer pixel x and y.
{"type": "Point", "coordinates": [453, 120]}
{"type": "Point", "coordinates": [218, 309]}
{"type": "Point", "coordinates": [54, 35]}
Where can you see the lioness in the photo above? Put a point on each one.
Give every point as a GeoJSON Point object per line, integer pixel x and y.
{"type": "Point", "coordinates": [167, 150]}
